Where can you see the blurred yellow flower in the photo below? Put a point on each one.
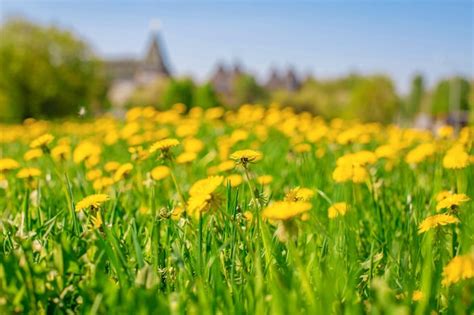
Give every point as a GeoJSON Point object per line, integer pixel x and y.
{"type": "Point", "coordinates": [452, 200]}
{"type": "Point", "coordinates": [8, 164]}
{"type": "Point", "coordinates": [102, 183]}
{"type": "Point", "coordinates": [193, 145]}
{"type": "Point", "coordinates": [111, 166]}
{"type": "Point", "coordinates": [246, 156]}
{"type": "Point", "coordinates": [206, 186]}
{"type": "Point", "coordinates": [299, 194]}
{"type": "Point", "coordinates": [28, 172]}
{"type": "Point", "coordinates": [420, 153]}
{"type": "Point", "coordinates": [264, 179]}
{"type": "Point", "coordinates": [459, 268]}
{"type": "Point", "coordinates": [160, 172]}
{"type": "Point", "coordinates": [123, 171]}
{"type": "Point", "coordinates": [417, 296]}
{"type": "Point", "coordinates": [96, 220]}
{"type": "Point", "coordinates": [234, 180]}
{"type": "Point", "coordinates": [302, 148]}
{"type": "Point", "coordinates": [164, 145]}
{"type": "Point", "coordinates": [285, 210]}
{"type": "Point", "coordinates": [436, 220]}
{"type": "Point", "coordinates": [32, 154]}
{"type": "Point", "coordinates": [186, 157]}
{"type": "Point", "coordinates": [93, 174]}
{"type": "Point", "coordinates": [42, 141]}
{"type": "Point", "coordinates": [337, 209]}
{"type": "Point", "coordinates": [456, 158]}
{"type": "Point", "coordinates": [445, 131]}
{"type": "Point", "coordinates": [443, 195]}
{"type": "Point", "coordinates": [92, 202]}
{"type": "Point", "coordinates": [226, 166]}
{"type": "Point", "coordinates": [61, 152]}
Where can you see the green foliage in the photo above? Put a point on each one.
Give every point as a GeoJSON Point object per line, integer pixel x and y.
{"type": "Point", "coordinates": [373, 99]}
{"type": "Point", "coordinates": [247, 90]}
{"type": "Point", "coordinates": [179, 91]}
{"type": "Point", "coordinates": [370, 98]}
{"type": "Point", "coordinates": [450, 95]}
{"type": "Point", "coordinates": [205, 96]}
{"type": "Point", "coordinates": [412, 105]}
{"type": "Point", "coordinates": [46, 71]}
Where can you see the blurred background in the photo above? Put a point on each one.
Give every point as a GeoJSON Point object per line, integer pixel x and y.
{"type": "Point", "coordinates": [406, 62]}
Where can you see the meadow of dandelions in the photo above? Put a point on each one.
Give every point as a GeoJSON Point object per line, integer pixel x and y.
{"type": "Point", "coordinates": [252, 211]}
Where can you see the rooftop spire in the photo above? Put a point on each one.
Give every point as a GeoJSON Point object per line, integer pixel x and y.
{"type": "Point", "coordinates": [155, 60]}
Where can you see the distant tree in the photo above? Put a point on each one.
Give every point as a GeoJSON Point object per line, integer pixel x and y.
{"type": "Point", "coordinates": [450, 95]}
{"type": "Point", "coordinates": [247, 90]}
{"type": "Point", "coordinates": [373, 99]}
{"type": "Point", "coordinates": [46, 71]}
{"type": "Point", "coordinates": [179, 91]}
{"type": "Point", "coordinates": [412, 105]}
{"type": "Point", "coordinates": [205, 96]}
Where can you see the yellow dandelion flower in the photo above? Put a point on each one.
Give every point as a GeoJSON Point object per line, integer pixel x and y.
{"type": "Point", "coordinates": [337, 209]}
{"type": "Point", "coordinates": [193, 145]}
{"type": "Point", "coordinates": [445, 131]}
{"type": "Point", "coordinates": [226, 166]}
{"type": "Point", "coordinates": [420, 153]}
{"type": "Point", "coordinates": [160, 172]}
{"type": "Point", "coordinates": [458, 269]}
{"type": "Point", "coordinates": [186, 157]}
{"type": "Point", "coordinates": [111, 166]}
{"type": "Point", "coordinates": [285, 210]}
{"type": "Point", "coordinates": [387, 151]}
{"type": "Point", "coordinates": [451, 201]}
{"type": "Point", "coordinates": [234, 180]}
{"type": "Point", "coordinates": [8, 164]}
{"type": "Point", "coordinates": [96, 220]}
{"type": "Point", "coordinates": [42, 141]}
{"type": "Point", "coordinates": [264, 179]}
{"type": "Point", "coordinates": [93, 174]}
{"type": "Point", "coordinates": [355, 173]}
{"type": "Point", "coordinates": [417, 296]}
{"type": "Point", "coordinates": [246, 156]}
{"type": "Point", "coordinates": [102, 183]}
{"type": "Point", "coordinates": [61, 152]}
{"type": "Point", "coordinates": [28, 173]}
{"type": "Point", "coordinates": [85, 150]}
{"type": "Point", "coordinates": [436, 220]}
{"type": "Point", "coordinates": [302, 148]}
{"type": "Point", "coordinates": [443, 195]}
{"type": "Point", "coordinates": [456, 159]}
{"type": "Point", "coordinates": [299, 194]}
{"type": "Point", "coordinates": [206, 186]}
{"type": "Point", "coordinates": [92, 202]}
{"type": "Point", "coordinates": [138, 154]}
{"type": "Point", "coordinates": [198, 204]}
{"type": "Point", "coordinates": [123, 171]}
{"type": "Point", "coordinates": [164, 145]}
{"type": "Point", "coordinates": [32, 154]}
{"type": "Point", "coordinates": [177, 213]}
{"type": "Point", "coordinates": [92, 161]}
{"type": "Point", "coordinates": [248, 216]}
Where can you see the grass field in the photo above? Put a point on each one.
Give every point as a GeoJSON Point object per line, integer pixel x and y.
{"type": "Point", "coordinates": [255, 211]}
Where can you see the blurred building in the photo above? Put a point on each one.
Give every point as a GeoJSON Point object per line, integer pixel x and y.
{"type": "Point", "coordinates": [223, 77]}
{"type": "Point", "coordinates": [288, 81]}
{"type": "Point", "coordinates": [127, 74]}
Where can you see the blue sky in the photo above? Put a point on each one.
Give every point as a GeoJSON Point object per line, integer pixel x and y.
{"type": "Point", "coordinates": [325, 38]}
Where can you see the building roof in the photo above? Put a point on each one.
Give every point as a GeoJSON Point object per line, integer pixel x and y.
{"type": "Point", "coordinates": [155, 59]}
